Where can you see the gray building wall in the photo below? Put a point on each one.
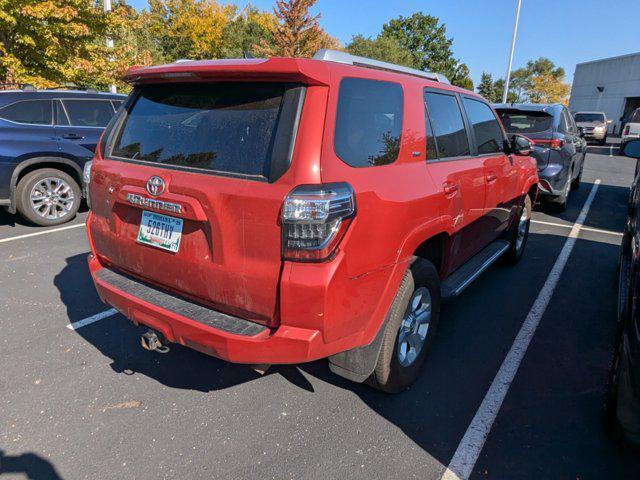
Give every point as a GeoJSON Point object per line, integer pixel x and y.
{"type": "Point", "coordinates": [620, 77]}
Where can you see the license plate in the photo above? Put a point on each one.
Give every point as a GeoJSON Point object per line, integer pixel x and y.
{"type": "Point", "coordinates": [160, 231]}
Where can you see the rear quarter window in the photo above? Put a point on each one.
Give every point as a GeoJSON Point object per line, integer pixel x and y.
{"type": "Point", "coordinates": [368, 125]}
{"type": "Point", "coordinates": [34, 112]}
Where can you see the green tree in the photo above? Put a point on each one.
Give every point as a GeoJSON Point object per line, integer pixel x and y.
{"type": "Point", "coordinates": [386, 49]}
{"type": "Point", "coordinates": [486, 87]}
{"type": "Point", "coordinates": [298, 32]}
{"type": "Point", "coordinates": [42, 42]}
{"type": "Point", "coordinates": [245, 30]}
{"type": "Point", "coordinates": [425, 38]}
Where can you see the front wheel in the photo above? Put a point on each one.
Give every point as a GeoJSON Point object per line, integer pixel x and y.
{"type": "Point", "coordinates": [48, 197]}
{"type": "Point", "coordinates": [409, 329]}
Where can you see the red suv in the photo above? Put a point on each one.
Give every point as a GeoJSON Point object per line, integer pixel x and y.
{"type": "Point", "coordinates": [286, 210]}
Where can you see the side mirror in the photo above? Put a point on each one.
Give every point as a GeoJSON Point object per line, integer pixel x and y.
{"type": "Point", "coordinates": [581, 131]}
{"type": "Point", "coordinates": [631, 149]}
{"type": "Point", "coordinates": [521, 145]}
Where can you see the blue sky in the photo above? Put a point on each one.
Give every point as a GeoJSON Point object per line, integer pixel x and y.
{"type": "Point", "coordinates": [566, 31]}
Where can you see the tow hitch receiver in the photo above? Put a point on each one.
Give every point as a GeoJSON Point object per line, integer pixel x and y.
{"type": "Point", "coordinates": [150, 341]}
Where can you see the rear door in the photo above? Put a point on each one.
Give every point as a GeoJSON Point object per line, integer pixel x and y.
{"type": "Point", "coordinates": [458, 174]}
{"type": "Point", "coordinates": [80, 122]}
{"type": "Point", "coordinates": [211, 155]}
{"type": "Point", "coordinates": [500, 175]}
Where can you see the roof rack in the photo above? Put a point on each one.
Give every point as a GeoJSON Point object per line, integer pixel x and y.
{"type": "Point", "coordinates": [348, 59]}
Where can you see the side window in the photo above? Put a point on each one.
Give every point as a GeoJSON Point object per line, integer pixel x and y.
{"type": "Point", "coordinates": [564, 122]}
{"type": "Point", "coordinates": [448, 126]}
{"type": "Point", "coordinates": [487, 131]}
{"type": "Point", "coordinates": [432, 151]}
{"type": "Point", "coordinates": [635, 117]}
{"type": "Point", "coordinates": [35, 112]}
{"type": "Point", "coordinates": [88, 113]}
{"type": "Point", "coordinates": [368, 122]}
{"type": "Point", "coordinates": [61, 116]}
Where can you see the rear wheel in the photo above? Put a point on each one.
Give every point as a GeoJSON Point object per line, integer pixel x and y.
{"type": "Point", "coordinates": [519, 232]}
{"type": "Point", "coordinates": [559, 203]}
{"type": "Point", "coordinates": [48, 197]}
{"type": "Point", "coordinates": [409, 329]}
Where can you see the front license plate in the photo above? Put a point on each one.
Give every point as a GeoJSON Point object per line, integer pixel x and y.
{"type": "Point", "coordinates": [160, 231]}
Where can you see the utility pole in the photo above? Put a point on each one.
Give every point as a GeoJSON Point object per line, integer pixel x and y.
{"type": "Point", "coordinates": [513, 46]}
{"type": "Point", "coordinates": [107, 9]}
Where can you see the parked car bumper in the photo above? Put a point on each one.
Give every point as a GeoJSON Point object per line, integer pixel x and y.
{"type": "Point", "coordinates": [552, 180]}
{"type": "Point", "coordinates": [595, 135]}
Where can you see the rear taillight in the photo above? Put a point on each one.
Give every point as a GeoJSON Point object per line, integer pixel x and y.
{"type": "Point", "coordinates": [554, 143]}
{"type": "Point", "coordinates": [627, 129]}
{"type": "Point", "coordinates": [314, 220]}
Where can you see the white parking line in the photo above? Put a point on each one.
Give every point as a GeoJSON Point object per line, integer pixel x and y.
{"type": "Point", "coordinates": [92, 319]}
{"type": "Point", "coordinates": [468, 451]}
{"type": "Point", "coordinates": [587, 229]}
{"type": "Point", "coordinates": [42, 232]}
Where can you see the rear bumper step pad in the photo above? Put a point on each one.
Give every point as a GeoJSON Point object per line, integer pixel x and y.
{"type": "Point", "coordinates": [179, 305]}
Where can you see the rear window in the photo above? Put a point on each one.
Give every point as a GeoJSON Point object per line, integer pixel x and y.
{"type": "Point", "coordinates": [222, 127]}
{"type": "Point", "coordinates": [635, 116]}
{"type": "Point", "coordinates": [517, 121]}
{"type": "Point", "coordinates": [368, 122]}
{"type": "Point", "coordinates": [589, 117]}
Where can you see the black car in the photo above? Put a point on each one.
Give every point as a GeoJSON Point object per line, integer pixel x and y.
{"type": "Point", "coordinates": [560, 147]}
{"type": "Point", "coordinates": [622, 400]}
{"type": "Point", "coordinates": [46, 137]}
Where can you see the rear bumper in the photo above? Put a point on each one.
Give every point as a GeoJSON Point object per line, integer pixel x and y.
{"type": "Point", "coordinates": [552, 180]}
{"type": "Point", "coordinates": [282, 345]}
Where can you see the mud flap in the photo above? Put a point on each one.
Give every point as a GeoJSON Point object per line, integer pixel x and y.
{"type": "Point", "coordinates": [358, 364]}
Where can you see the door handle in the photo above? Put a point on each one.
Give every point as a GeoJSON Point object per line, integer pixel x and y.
{"type": "Point", "coordinates": [72, 136]}
{"type": "Point", "coordinates": [491, 177]}
{"type": "Point", "coordinates": [450, 188]}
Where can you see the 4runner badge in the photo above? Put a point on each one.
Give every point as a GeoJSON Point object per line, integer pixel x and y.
{"type": "Point", "coordinates": [155, 186]}
{"type": "Point", "coordinates": [153, 203]}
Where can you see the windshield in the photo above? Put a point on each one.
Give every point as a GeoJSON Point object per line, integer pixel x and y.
{"type": "Point", "coordinates": [225, 127]}
{"type": "Point", "coordinates": [589, 117]}
{"type": "Point", "coordinates": [517, 121]}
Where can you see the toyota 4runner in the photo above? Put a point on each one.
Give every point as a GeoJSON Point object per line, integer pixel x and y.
{"type": "Point", "coordinates": [285, 210]}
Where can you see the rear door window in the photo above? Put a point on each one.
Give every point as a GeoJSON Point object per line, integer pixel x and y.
{"type": "Point", "coordinates": [486, 129]}
{"type": "Point", "coordinates": [34, 112]}
{"type": "Point", "coordinates": [520, 121]}
{"type": "Point", "coordinates": [222, 127]}
{"type": "Point", "coordinates": [368, 122]}
{"type": "Point", "coordinates": [448, 125]}
{"type": "Point", "coordinates": [88, 113]}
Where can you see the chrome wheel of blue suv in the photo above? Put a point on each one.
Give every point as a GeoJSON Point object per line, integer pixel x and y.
{"type": "Point", "coordinates": [48, 197]}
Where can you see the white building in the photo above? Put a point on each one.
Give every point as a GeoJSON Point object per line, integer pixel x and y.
{"type": "Point", "coordinates": [610, 85]}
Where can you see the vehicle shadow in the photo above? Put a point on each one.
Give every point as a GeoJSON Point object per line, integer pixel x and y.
{"type": "Point", "coordinates": [15, 220]}
{"type": "Point", "coordinates": [435, 412]}
{"type": "Point", "coordinates": [612, 203]}
{"type": "Point", "coordinates": [30, 465]}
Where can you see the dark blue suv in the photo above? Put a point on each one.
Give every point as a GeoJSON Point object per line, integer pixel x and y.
{"type": "Point", "coordinates": [46, 137]}
{"type": "Point", "coordinates": [560, 147]}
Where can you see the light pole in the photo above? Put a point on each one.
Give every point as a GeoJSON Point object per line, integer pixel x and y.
{"type": "Point", "coordinates": [107, 9]}
{"type": "Point", "coordinates": [513, 46]}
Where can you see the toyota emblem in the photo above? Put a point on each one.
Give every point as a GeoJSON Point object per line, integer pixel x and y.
{"type": "Point", "coordinates": [155, 186]}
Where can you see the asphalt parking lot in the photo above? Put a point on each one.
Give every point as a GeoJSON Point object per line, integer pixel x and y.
{"type": "Point", "coordinates": [90, 403]}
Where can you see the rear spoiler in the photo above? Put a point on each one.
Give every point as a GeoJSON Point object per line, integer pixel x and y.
{"type": "Point", "coordinates": [297, 70]}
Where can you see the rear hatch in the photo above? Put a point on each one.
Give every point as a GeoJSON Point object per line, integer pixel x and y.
{"type": "Point", "coordinates": [205, 160]}
{"type": "Point", "coordinates": [533, 124]}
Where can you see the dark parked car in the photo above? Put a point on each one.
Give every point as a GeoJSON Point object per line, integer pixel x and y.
{"type": "Point", "coordinates": [46, 136]}
{"type": "Point", "coordinates": [622, 400]}
{"type": "Point", "coordinates": [560, 147]}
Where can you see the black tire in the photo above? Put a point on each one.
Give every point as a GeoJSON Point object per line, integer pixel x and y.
{"type": "Point", "coordinates": [516, 249]}
{"type": "Point", "coordinates": [578, 180]}
{"type": "Point", "coordinates": [559, 203]}
{"type": "Point", "coordinates": [390, 375]}
{"type": "Point", "coordinates": [23, 197]}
